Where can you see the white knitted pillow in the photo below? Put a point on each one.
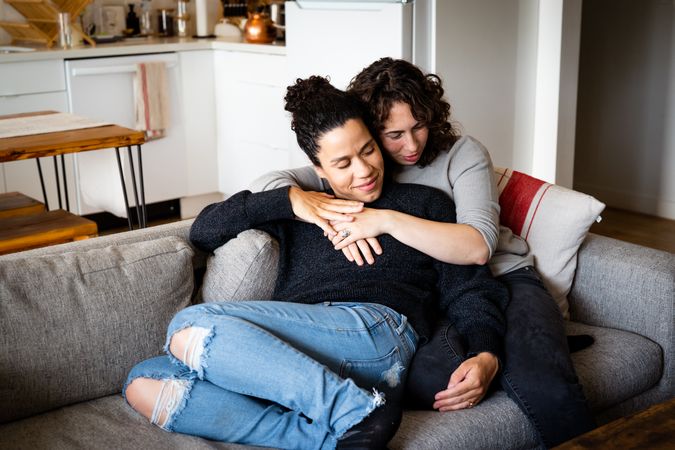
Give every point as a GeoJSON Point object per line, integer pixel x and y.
{"type": "Point", "coordinates": [553, 220]}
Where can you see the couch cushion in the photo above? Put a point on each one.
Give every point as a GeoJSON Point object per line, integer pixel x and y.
{"type": "Point", "coordinates": [73, 324]}
{"type": "Point", "coordinates": [111, 422]}
{"type": "Point", "coordinates": [245, 268]}
{"type": "Point", "coordinates": [619, 365]}
{"type": "Point", "coordinates": [553, 220]}
{"type": "Point", "coordinates": [467, 429]}
{"type": "Point", "coordinates": [107, 422]}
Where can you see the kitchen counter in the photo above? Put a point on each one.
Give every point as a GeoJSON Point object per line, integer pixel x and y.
{"type": "Point", "coordinates": [135, 46]}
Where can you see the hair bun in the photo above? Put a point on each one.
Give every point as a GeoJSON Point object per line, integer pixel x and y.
{"type": "Point", "coordinates": [304, 90]}
{"type": "Point", "coordinates": [317, 107]}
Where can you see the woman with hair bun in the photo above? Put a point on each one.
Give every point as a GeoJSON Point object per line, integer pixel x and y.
{"type": "Point", "coordinates": [324, 364]}
{"type": "Point", "coordinates": [411, 119]}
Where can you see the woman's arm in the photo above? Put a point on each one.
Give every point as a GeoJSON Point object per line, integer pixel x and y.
{"type": "Point", "coordinates": [447, 242]}
{"type": "Point", "coordinates": [469, 175]}
{"type": "Point", "coordinates": [319, 208]}
{"type": "Point", "coordinates": [474, 191]}
{"type": "Point", "coordinates": [305, 178]}
{"type": "Point", "coordinates": [316, 207]}
{"type": "Point", "coordinates": [220, 222]}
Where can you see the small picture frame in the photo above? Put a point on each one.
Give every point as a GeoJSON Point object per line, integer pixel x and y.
{"type": "Point", "coordinates": [113, 20]}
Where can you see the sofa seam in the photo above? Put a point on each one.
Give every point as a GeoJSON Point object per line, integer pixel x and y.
{"type": "Point", "coordinates": [248, 269]}
{"type": "Point", "coordinates": [126, 264]}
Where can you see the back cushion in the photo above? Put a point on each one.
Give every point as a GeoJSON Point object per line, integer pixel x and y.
{"type": "Point", "coordinates": [245, 268]}
{"type": "Point", "coordinates": [74, 324]}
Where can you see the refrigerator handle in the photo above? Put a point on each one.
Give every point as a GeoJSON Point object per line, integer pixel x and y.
{"type": "Point", "coordinates": [342, 6]}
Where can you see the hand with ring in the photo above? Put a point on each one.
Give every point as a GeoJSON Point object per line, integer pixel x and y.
{"type": "Point", "coordinates": [357, 239]}
{"type": "Point", "coordinates": [468, 383]}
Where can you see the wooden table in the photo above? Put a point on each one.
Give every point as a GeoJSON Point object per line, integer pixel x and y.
{"type": "Point", "coordinates": [653, 429]}
{"type": "Point", "coordinates": [74, 141]}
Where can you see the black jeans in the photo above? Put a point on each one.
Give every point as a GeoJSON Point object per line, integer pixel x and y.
{"type": "Point", "coordinates": [538, 373]}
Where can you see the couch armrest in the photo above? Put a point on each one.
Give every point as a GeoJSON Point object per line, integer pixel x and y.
{"type": "Point", "coordinates": [628, 287]}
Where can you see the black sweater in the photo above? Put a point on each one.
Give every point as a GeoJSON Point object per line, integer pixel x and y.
{"type": "Point", "coordinates": [406, 280]}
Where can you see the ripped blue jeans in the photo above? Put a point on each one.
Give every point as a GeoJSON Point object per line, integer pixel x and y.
{"type": "Point", "coordinates": [279, 374]}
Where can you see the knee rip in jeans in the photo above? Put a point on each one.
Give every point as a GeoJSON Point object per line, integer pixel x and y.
{"type": "Point", "coordinates": [392, 376]}
{"type": "Point", "coordinates": [168, 402]}
{"type": "Point", "coordinates": [194, 349]}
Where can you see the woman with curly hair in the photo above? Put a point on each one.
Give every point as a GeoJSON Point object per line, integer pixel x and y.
{"type": "Point", "coordinates": [412, 122]}
{"type": "Point", "coordinates": [321, 366]}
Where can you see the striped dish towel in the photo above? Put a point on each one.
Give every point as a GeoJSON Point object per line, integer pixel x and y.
{"type": "Point", "coordinates": [152, 100]}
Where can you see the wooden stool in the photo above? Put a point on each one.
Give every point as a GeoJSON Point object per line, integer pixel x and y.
{"type": "Point", "coordinates": [44, 228]}
{"type": "Point", "coordinates": [16, 204]}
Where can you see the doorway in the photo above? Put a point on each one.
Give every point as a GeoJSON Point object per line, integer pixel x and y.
{"type": "Point", "coordinates": [625, 127]}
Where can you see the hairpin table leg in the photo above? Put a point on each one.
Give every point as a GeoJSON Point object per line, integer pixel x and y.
{"type": "Point", "coordinates": [140, 171]}
{"type": "Point", "coordinates": [58, 180]}
{"type": "Point", "coordinates": [42, 184]}
{"type": "Point", "coordinates": [124, 187]}
{"type": "Point", "coordinates": [65, 182]}
{"type": "Point", "coordinates": [133, 184]}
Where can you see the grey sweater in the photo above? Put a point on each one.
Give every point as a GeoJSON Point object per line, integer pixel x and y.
{"type": "Point", "coordinates": [466, 175]}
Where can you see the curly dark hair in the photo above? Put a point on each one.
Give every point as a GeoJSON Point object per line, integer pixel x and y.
{"type": "Point", "coordinates": [387, 81]}
{"type": "Point", "coordinates": [318, 107]}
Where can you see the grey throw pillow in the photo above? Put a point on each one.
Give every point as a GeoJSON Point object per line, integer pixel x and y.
{"type": "Point", "coordinates": [245, 268]}
{"type": "Point", "coordinates": [74, 324]}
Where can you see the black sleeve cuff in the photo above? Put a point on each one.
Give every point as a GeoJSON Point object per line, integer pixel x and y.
{"type": "Point", "coordinates": [270, 205]}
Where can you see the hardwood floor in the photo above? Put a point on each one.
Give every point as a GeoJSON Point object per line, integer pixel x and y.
{"type": "Point", "coordinates": [650, 231]}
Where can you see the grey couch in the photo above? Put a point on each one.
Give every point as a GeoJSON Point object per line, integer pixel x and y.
{"type": "Point", "coordinates": [76, 317]}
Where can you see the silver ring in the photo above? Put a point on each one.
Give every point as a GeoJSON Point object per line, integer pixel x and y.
{"type": "Point", "coordinates": [345, 233]}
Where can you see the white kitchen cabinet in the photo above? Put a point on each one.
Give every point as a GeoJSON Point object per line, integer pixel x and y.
{"type": "Point", "coordinates": [253, 127]}
{"type": "Point", "coordinates": [27, 87]}
{"type": "Point", "coordinates": [32, 77]}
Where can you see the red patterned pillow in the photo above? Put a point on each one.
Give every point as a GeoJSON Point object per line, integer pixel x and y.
{"type": "Point", "coordinates": [553, 220]}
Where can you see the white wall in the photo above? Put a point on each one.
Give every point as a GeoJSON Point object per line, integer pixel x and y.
{"type": "Point", "coordinates": [476, 50]}
{"type": "Point", "coordinates": [559, 27]}
{"type": "Point", "coordinates": [625, 144]}
{"type": "Point", "coordinates": [525, 88]}
{"type": "Point", "coordinates": [510, 72]}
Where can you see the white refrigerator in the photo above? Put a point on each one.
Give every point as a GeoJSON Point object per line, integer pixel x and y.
{"type": "Point", "coordinates": [339, 38]}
